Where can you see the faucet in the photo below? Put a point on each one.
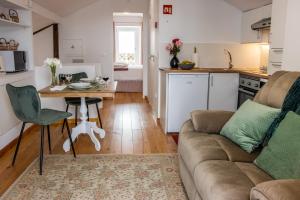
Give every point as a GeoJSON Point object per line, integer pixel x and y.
{"type": "Point", "coordinates": [230, 58]}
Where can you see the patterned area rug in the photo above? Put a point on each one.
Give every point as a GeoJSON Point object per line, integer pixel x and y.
{"type": "Point", "coordinates": [101, 177]}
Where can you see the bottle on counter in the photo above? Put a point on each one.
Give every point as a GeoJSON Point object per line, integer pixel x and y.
{"type": "Point", "coordinates": [196, 57]}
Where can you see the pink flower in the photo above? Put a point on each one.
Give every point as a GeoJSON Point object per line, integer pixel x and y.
{"type": "Point", "coordinates": [169, 47]}
{"type": "Point", "coordinates": [178, 43]}
{"type": "Point", "coordinates": [175, 40]}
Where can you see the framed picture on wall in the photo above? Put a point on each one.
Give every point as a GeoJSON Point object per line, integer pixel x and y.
{"type": "Point", "coordinates": [73, 47]}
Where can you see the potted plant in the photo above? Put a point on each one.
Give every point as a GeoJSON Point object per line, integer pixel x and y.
{"type": "Point", "coordinates": [174, 48]}
{"type": "Point", "coordinates": [53, 63]}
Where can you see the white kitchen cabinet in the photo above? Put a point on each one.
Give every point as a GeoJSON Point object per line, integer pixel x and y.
{"type": "Point", "coordinates": [223, 91]}
{"type": "Point", "coordinates": [291, 58]}
{"type": "Point", "coordinates": [279, 14]}
{"type": "Point", "coordinates": [180, 95]}
{"type": "Point", "coordinates": [279, 9]}
{"type": "Point", "coordinates": [251, 17]}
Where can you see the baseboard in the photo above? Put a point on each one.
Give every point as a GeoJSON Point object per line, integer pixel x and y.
{"type": "Point", "coordinates": [13, 134]}
{"type": "Point", "coordinates": [12, 137]}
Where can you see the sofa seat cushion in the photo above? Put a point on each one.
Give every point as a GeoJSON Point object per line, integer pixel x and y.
{"type": "Point", "coordinates": [195, 147]}
{"type": "Point", "coordinates": [225, 180]}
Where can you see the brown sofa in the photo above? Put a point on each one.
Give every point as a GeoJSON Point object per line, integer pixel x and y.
{"type": "Point", "coordinates": [214, 168]}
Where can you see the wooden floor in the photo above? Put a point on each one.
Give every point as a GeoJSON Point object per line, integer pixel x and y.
{"type": "Point", "coordinates": [130, 129]}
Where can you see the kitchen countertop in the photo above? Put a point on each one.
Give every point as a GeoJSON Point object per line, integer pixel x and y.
{"type": "Point", "coordinates": [245, 71]}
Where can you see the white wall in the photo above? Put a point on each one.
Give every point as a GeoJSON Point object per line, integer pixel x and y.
{"type": "Point", "coordinates": [291, 58]}
{"type": "Point", "coordinates": [9, 124]}
{"type": "Point", "coordinates": [94, 26]}
{"type": "Point", "coordinates": [211, 25]}
{"type": "Point", "coordinates": [43, 46]}
{"type": "Point", "coordinates": [200, 21]}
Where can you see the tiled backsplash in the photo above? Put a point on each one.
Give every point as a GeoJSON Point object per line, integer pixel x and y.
{"type": "Point", "coordinates": [213, 56]}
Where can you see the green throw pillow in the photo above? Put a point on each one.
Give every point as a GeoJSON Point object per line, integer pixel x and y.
{"type": "Point", "coordinates": [248, 126]}
{"type": "Point", "coordinates": [281, 158]}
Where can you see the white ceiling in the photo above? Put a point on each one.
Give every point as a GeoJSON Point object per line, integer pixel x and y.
{"type": "Point", "coordinates": [67, 7]}
{"type": "Point", "coordinates": [64, 7]}
{"type": "Point", "coordinates": [246, 5]}
{"type": "Point", "coordinates": [39, 22]}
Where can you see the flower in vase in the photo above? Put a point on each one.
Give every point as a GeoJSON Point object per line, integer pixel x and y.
{"type": "Point", "coordinates": [53, 63]}
{"type": "Point", "coordinates": [174, 47]}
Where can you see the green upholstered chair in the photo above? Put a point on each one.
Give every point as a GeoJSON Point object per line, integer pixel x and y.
{"type": "Point", "coordinates": [71, 101]}
{"type": "Point", "coordinates": [26, 104]}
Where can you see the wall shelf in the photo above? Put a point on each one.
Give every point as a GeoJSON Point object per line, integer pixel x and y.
{"type": "Point", "coordinates": [4, 22]}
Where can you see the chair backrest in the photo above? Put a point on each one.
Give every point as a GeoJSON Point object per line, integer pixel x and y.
{"type": "Point", "coordinates": [276, 89]}
{"type": "Point", "coordinates": [25, 102]}
{"type": "Point", "coordinates": [75, 77]}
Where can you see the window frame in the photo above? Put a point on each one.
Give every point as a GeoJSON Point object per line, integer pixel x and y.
{"type": "Point", "coordinates": [138, 29]}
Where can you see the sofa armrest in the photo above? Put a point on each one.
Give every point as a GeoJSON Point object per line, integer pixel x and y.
{"type": "Point", "coordinates": [210, 121]}
{"type": "Point", "coordinates": [277, 190]}
{"type": "Point", "coordinates": [187, 127]}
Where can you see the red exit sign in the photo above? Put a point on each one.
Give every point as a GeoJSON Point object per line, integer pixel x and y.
{"type": "Point", "coordinates": [168, 9]}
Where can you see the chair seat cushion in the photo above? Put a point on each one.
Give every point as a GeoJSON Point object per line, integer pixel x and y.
{"type": "Point", "coordinates": [225, 180]}
{"type": "Point", "coordinates": [77, 101]}
{"type": "Point", "coordinates": [48, 116]}
{"type": "Point", "coordinates": [195, 147]}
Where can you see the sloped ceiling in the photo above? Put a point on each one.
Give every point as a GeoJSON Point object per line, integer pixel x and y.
{"type": "Point", "coordinates": [67, 7]}
{"type": "Point", "coordinates": [246, 5]}
{"type": "Point", "coordinates": [64, 7]}
{"type": "Point", "coordinates": [39, 22]}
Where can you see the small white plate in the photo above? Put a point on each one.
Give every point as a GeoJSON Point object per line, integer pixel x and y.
{"type": "Point", "coordinates": [80, 85]}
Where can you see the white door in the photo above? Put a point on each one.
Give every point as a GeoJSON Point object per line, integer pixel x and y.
{"type": "Point", "coordinates": [185, 94]}
{"type": "Point", "coordinates": [223, 91]}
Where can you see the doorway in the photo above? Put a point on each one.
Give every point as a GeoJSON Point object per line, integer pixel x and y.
{"type": "Point", "coordinates": [128, 51]}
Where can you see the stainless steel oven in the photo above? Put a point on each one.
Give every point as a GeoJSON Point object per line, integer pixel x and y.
{"type": "Point", "coordinates": [249, 87]}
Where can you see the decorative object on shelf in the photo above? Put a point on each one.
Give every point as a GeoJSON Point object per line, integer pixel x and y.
{"type": "Point", "coordinates": [3, 16]}
{"type": "Point", "coordinates": [186, 65]}
{"type": "Point", "coordinates": [196, 57]}
{"type": "Point", "coordinates": [14, 16]}
{"type": "Point", "coordinates": [53, 63]}
{"type": "Point", "coordinates": [3, 44]}
{"type": "Point", "coordinates": [174, 48]}
{"type": "Point", "coordinates": [12, 45]}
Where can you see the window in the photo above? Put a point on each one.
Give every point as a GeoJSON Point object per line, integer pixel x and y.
{"type": "Point", "coordinates": [128, 44]}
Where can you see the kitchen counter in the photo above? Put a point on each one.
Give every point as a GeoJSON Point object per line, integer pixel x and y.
{"type": "Point", "coordinates": [244, 71]}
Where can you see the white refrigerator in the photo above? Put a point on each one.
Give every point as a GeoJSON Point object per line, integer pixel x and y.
{"type": "Point", "coordinates": [185, 93]}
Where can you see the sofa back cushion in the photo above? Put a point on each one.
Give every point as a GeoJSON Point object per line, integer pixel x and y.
{"type": "Point", "coordinates": [281, 158]}
{"type": "Point", "coordinates": [276, 89]}
{"type": "Point", "coordinates": [248, 126]}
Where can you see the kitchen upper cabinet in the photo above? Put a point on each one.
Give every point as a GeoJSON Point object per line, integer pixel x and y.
{"type": "Point", "coordinates": [291, 58]}
{"type": "Point", "coordinates": [279, 9]}
{"type": "Point", "coordinates": [223, 91]}
{"type": "Point", "coordinates": [279, 14]}
{"type": "Point", "coordinates": [251, 17]}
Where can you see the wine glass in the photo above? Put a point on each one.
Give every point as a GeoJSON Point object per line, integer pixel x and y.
{"type": "Point", "coordinates": [69, 77]}
{"type": "Point", "coordinates": [63, 79]}
{"type": "Point", "coordinates": [106, 79]}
